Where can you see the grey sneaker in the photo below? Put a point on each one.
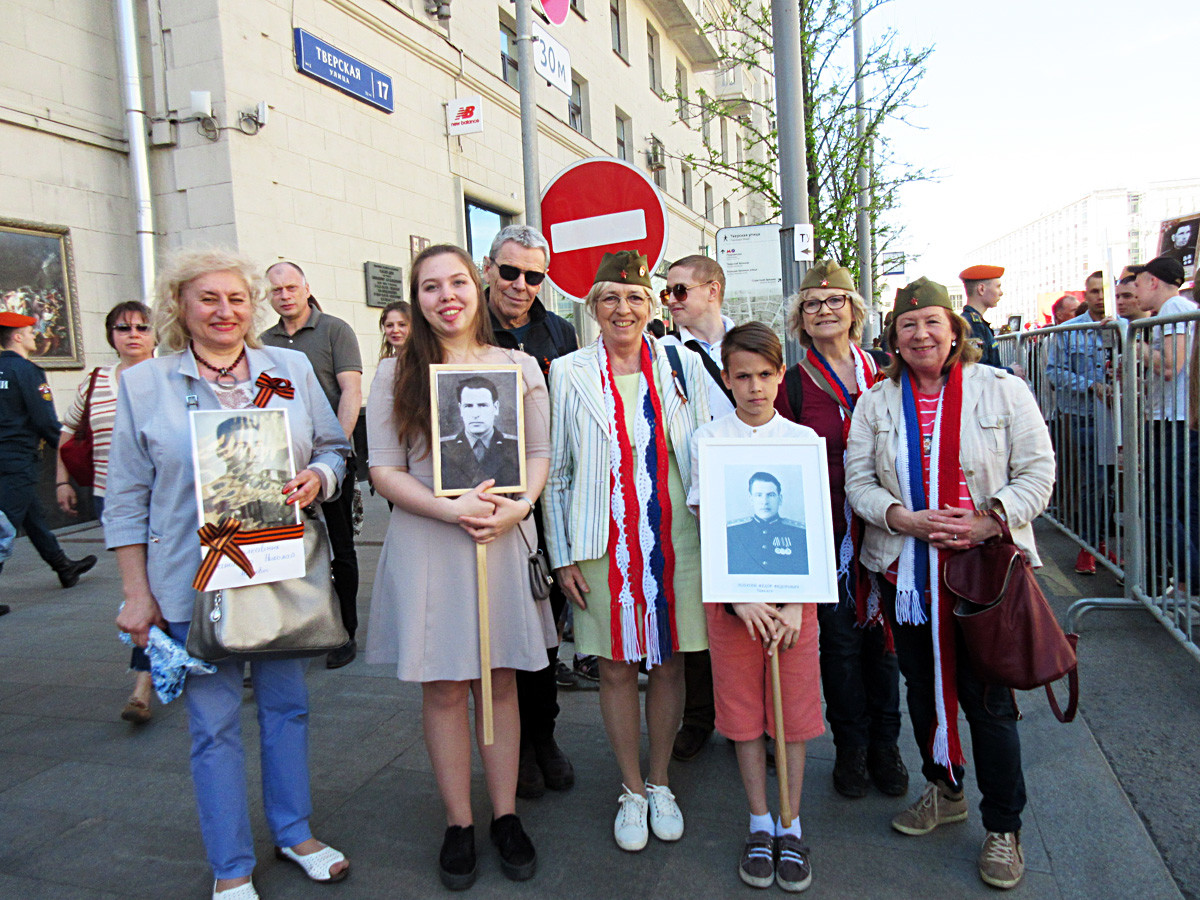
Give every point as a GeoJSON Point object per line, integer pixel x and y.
{"type": "Point", "coordinates": [1001, 860]}
{"type": "Point", "coordinates": [793, 872]}
{"type": "Point", "coordinates": [757, 867]}
{"type": "Point", "coordinates": [937, 806]}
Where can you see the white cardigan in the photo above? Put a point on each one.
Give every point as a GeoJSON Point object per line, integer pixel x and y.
{"type": "Point", "coordinates": [577, 493]}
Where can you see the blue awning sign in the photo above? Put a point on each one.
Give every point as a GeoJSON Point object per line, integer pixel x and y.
{"type": "Point", "coordinates": [326, 63]}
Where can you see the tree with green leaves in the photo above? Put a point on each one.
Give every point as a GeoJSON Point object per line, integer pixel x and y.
{"type": "Point", "coordinates": [745, 94]}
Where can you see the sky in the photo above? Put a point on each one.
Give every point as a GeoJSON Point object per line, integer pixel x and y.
{"type": "Point", "coordinates": [1028, 105]}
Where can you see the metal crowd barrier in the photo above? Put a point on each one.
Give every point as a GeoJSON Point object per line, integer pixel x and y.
{"type": "Point", "coordinates": [1128, 486]}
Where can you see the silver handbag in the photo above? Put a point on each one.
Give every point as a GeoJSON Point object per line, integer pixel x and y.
{"type": "Point", "coordinates": [292, 618]}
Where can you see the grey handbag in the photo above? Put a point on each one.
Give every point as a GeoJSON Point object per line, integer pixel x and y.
{"type": "Point", "coordinates": [283, 619]}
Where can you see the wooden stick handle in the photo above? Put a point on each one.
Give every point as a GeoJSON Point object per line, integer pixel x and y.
{"type": "Point", "coordinates": [785, 803]}
{"type": "Point", "coordinates": [485, 643]}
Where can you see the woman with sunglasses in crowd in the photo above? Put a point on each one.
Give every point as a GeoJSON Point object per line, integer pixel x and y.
{"type": "Point", "coordinates": [859, 673]}
{"type": "Point", "coordinates": [128, 330]}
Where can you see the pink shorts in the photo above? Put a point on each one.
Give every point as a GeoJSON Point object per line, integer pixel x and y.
{"type": "Point", "coordinates": [742, 679]}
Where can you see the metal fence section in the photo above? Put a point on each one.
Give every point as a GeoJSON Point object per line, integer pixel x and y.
{"type": "Point", "coordinates": [1117, 400]}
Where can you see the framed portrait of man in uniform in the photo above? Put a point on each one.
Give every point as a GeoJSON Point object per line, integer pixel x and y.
{"type": "Point", "coordinates": [242, 458]}
{"type": "Point", "coordinates": [478, 428]}
{"type": "Point", "coordinates": [766, 532]}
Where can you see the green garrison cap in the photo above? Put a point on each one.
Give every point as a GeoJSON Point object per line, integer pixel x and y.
{"type": "Point", "coordinates": [825, 273]}
{"type": "Point", "coordinates": [920, 294]}
{"type": "Point", "coordinates": [624, 267]}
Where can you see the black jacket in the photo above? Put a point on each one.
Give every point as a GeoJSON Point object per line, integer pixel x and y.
{"type": "Point", "coordinates": [549, 337]}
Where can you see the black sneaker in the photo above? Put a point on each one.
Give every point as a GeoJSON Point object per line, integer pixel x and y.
{"type": "Point", "coordinates": [587, 667]}
{"type": "Point", "coordinates": [68, 574]}
{"type": "Point", "coordinates": [518, 859]}
{"type": "Point", "coordinates": [792, 871]}
{"type": "Point", "coordinates": [887, 769]}
{"type": "Point", "coordinates": [850, 778]}
{"type": "Point", "coordinates": [530, 783]}
{"type": "Point", "coordinates": [557, 771]}
{"type": "Point", "coordinates": [757, 867]}
{"type": "Point", "coordinates": [565, 677]}
{"type": "Point", "coordinates": [456, 862]}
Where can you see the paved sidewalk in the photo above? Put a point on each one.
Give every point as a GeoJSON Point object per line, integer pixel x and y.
{"type": "Point", "coordinates": [91, 807]}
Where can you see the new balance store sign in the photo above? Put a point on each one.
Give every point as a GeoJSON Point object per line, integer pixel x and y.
{"type": "Point", "coordinates": [464, 115]}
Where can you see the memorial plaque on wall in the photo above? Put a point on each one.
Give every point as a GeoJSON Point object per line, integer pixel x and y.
{"type": "Point", "coordinates": [384, 283]}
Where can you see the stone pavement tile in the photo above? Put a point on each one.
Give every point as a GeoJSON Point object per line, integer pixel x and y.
{"type": "Point", "coordinates": [44, 889]}
{"type": "Point", "coordinates": [23, 829]}
{"type": "Point", "coordinates": [162, 745]}
{"type": "Point", "coordinates": [16, 768]}
{"type": "Point", "coordinates": [77, 672]}
{"type": "Point", "coordinates": [100, 704]}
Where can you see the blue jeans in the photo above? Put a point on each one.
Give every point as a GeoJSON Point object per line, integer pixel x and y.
{"type": "Point", "coordinates": [218, 765]}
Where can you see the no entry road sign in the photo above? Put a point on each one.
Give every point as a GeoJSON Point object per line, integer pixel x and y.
{"type": "Point", "coordinates": [598, 206]}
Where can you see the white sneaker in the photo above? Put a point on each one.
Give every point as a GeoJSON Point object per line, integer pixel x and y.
{"type": "Point", "coordinates": [630, 827]}
{"type": "Point", "coordinates": [665, 817]}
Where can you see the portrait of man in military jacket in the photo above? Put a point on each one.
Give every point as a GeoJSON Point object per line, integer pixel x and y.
{"type": "Point", "coordinates": [765, 543]}
{"type": "Point", "coordinates": [251, 487]}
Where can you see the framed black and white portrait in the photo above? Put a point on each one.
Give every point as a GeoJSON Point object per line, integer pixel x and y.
{"type": "Point", "coordinates": [766, 531]}
{"type": "Point", "coordinates": [478, 428]}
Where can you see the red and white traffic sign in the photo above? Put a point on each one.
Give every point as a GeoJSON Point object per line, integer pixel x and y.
{"type": "Point", "coordinates": [598, 206]}
{"type": "Point", "coordinates": [556, 10]}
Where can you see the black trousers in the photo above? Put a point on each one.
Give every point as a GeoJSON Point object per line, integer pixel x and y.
{"type": "Point", "coordinates": [991, 714]}
{"type": "Point", "coordinates": [339, 519]}
{"type": "Point", "coordinates": [698, 706]}
{"type": "Point", "coordinates": [18, 501]}
{"type": "Point", "coordinates": [861, 680]}
{"type": "Point", "coordinates": [537, 692]}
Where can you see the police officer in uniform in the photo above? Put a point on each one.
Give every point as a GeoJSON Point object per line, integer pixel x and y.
{"type": "Point", "coordinates": [981, 284]}
{"type": "Point", "coordinates": [765, 543]}
{"type": "Point", "coordinates": [27, 418]}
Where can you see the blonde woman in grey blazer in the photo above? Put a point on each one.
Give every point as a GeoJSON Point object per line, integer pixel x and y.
{"type": "Point", "coordinates": [617, 523]}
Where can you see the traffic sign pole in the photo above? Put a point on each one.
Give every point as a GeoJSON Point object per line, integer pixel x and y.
{"type": "Point", "coordinates": [529, 142]}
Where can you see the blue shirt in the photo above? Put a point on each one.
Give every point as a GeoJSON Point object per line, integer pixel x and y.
{"type": "Point", "coordinates": [1075, 360]}
{"type": "Point", "coordinates": [27, 413]}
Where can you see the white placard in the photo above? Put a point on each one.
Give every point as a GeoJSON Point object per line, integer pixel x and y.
{"type": "Point", "coordinates": [551, 60]}
{"type": "Point", "coordinates": [803, 243]}
{"type": "Point", "coordinates": [464, 115]}
{"type": "Point", "coordinates": [750, 257]}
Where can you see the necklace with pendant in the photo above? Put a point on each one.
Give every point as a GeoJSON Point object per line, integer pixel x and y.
{"type": "Point", "coordinates": [225, 372]}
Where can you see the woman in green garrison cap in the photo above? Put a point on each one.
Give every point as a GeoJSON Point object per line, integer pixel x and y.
{"type": "Point", "coordinates": [621, 540]}
{"type": "Point", "coordinates": [934, 451]}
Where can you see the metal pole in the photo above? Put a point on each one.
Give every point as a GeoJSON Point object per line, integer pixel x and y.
{"type": "Point", "coordinates": [135, 134]}
{"type": "Point", "coordinates": [793, 167]}
{"type": "Point", "coordinates": [529, 142]}
{"type": "Point", "coordinates": [866, 286]}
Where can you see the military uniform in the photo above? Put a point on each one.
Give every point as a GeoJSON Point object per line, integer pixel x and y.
{"type": "Point", "coordinates": [983, 337]}
{"type": "Point", "coordinates": [27, 418]}
{"type": "Point", "coordinates": [777, 547]}
{"type": "Point", "coordinates": [460, 468]}
{"type": "Point", "coordinates": [256, 500]}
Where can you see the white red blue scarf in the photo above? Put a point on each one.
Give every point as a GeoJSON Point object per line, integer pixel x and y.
{"type": "Point", "coordinates": [641, 558]}
{"type": "Point", "coordinates": [919, 559]}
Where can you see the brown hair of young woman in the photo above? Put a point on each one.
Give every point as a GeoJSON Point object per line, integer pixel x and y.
{"type": "Point", "coordinates": [411, 408]}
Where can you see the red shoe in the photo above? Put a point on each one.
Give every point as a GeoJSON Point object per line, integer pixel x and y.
{"type": "Point", "coordinates": [1085, 563]}
{"type": "Point", "coordinates": [1111, 554]}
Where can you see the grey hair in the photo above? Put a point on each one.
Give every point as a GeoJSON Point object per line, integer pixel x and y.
{"type": "Point", "coordinates": [525, 235]}
{"type": "Point", "coordinates": [795, 317]}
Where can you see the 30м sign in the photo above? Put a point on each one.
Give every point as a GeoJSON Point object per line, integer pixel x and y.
{"type": "Point", "coordinates": [324, 62]}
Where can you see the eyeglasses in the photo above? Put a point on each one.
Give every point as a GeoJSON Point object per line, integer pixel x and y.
{"type": "Point", "coordinates": [812, 307]}
{"type": "Point", "coordinates": [125, 328]}
{"type": "Point", "coordinates": [635, 301]}
{"type": "Point", "coordinates": [511, 273]}
{"type": "Point", "coordinates": [680, 291]}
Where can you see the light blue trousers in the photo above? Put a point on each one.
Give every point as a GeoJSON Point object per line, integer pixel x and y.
{"type": "Point", "coordinates": [218, 760]}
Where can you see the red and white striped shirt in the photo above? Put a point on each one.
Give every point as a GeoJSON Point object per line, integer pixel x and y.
{"type": "Point", "coordinates": [102, 414]}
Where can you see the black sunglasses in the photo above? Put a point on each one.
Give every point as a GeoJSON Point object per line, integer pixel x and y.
{"type": "Point", "coordinates": [125, 326]}
{"type": "Point", "coordinates": [679, 290]}
{"type": "Point", "coordinates": [511, 273]}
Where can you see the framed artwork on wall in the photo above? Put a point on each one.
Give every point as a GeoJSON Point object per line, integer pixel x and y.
{"type": "Point", "coordinates": [37, 278]}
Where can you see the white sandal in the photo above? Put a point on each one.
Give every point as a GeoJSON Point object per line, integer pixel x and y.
{"type": "Point", "coordinates": [241, 892]}
{"type": "Point", "coordinates": [316, 864]}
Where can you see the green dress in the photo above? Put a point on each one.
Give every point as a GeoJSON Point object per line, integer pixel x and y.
{"type": "Point", "coordinates": [593, 626]}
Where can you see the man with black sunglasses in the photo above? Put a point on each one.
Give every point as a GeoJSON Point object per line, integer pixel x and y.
{"type": "Point", "coordinates": [514, 270]}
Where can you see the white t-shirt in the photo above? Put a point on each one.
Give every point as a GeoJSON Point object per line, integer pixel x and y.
{"type": "Point", "coordinates": [1168, 399]}
{"type": "Point", "coordinates": [731, 426]}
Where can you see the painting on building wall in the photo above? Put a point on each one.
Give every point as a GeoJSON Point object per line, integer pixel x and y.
{"type": "Point", "coordinates": [37, 278]}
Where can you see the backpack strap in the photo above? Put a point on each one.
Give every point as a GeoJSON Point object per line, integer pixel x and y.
{"type": "Point", "coordinates": [677, 366]}
{"type": "Point", "coordinates": [793, 383]}
{"type": "Point", "coordinates": [714, 371]}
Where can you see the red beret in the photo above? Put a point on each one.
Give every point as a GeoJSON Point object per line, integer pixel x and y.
{"type": "Point", "coordinates": [15, 320]}
{"type": "Point", "coordinates": [981, 273]}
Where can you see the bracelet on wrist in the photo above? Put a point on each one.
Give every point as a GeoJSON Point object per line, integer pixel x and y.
{"type": "Point", "coordinates": [62, 484]}
{"type": "Point", "coordinates": [530, 502]}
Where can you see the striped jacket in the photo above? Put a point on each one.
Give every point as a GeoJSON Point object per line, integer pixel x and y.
{"type": "Point", "coordinates": [577, 492]}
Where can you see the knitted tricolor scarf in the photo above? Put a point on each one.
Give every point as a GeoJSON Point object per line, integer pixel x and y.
{"type": "Point", "coordinates": [918, 559]}
{"type": "Point", "coordinates": [641, 559]}
{"type": "Point", "coordinates": [860, 586]}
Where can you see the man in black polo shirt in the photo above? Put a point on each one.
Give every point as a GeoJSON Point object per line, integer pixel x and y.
{"type": "Point", "coordinates": [514, 269]}
{"type": "Point", "coordinates": [332, 348]}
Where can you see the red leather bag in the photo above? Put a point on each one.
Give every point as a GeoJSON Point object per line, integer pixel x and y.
{"type": "Point", "coordinates": [76, 450]}
{"type": "Point", "coordinates": [1011, 634]}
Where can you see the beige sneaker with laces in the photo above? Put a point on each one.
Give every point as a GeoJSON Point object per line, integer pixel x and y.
{"type": "Point", "coordinates": [937, 806]}
{"type": "Point", "coordinates": [1001, 860]}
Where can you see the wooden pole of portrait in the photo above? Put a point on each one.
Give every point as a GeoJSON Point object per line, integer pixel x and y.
{"type": "Point", "coordinates": [781, 762]}
{"type": "Point", "coordinates": [485, 644]}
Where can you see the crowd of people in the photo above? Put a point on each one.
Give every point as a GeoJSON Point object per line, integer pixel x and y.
{"type": "Point", "coordinates": [926, 450]}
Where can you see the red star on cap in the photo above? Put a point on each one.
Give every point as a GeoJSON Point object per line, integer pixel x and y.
{"type": "Point", "coordinates": [913, 301]}
{"type": "Point", "coordinates": [824, 283]}
{"type": "Point", "coordinates": [623, 274]}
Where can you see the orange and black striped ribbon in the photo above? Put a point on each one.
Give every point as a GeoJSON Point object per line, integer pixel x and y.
{"type": "Point", "coordinates": [226, 539]}
{"type": "Point", "coordinates": [269, 387]}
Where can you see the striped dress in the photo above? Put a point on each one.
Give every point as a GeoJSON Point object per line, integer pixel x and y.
{"type": "Point", "coordinates": [102, 414]}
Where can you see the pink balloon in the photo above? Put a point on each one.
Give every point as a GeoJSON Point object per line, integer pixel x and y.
{"type": "Point", "coordinates": [556, 10]}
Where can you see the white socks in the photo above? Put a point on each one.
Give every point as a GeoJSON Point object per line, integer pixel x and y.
{"type": "Point", "coordinates": [772, 825]}
{"type": "Point", "coordinates": [793, 829]}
